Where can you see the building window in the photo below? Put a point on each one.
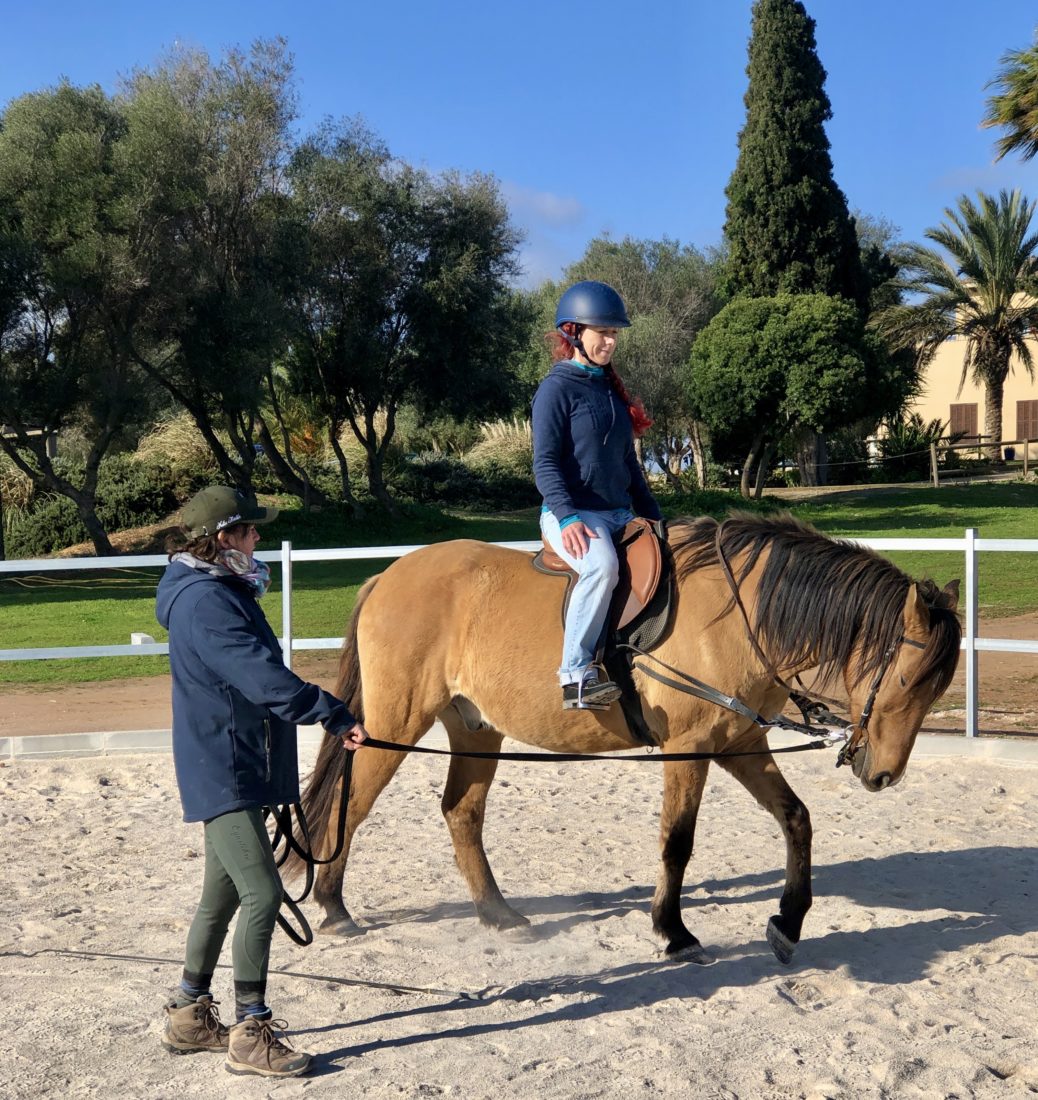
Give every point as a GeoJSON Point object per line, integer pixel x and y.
{"type": "Point", "coordinates": [963, 421]}
{"type": "Point", "coordinates": [1027, 420]}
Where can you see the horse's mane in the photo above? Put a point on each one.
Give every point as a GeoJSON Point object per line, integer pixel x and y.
{"type": "Point", "coordinates": [819, 598]}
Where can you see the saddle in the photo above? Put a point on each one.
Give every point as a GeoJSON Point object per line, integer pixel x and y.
{"type": "Point", "coordinates": [640, 610]}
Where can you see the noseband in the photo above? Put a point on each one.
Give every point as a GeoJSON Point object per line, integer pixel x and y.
{"type": "Point", "coordinates": [860, 735]}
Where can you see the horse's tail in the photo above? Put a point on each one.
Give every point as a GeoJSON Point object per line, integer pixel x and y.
{"type": "Point", "coordinates": [325, 781]}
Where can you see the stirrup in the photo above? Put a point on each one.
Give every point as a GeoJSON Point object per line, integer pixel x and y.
{"type": "Point", "coordinates": [589, 695]}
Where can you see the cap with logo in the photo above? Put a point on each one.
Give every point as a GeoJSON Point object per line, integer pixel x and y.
{"type": "Point", "coordinates": [220, 506]}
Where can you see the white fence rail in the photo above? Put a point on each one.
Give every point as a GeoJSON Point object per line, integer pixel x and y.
{"type": "Point", "coordinates": [969, 545]}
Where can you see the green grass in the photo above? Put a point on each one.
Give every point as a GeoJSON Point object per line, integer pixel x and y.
{"type": "Point", "coordinates": [1007, 582]}
{"type": "Point", "coordinates": [103, 608]}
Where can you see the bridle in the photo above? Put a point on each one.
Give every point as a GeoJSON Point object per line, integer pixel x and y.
{"type": "Point", "coordinates": [857, 732]}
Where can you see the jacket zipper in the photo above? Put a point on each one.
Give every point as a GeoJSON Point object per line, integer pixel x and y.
{"type": "Point", "coordinates": [266, 731]}
{"type": "Point", "coordinates": [612, 422]}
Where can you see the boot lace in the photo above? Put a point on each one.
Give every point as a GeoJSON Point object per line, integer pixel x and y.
{"type": "Point", "coordinates": [268, 1031]}
{"type": "Point", "coordinates": [209, 1017]}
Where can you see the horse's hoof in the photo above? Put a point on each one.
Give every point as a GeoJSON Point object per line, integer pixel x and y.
{"type": "Point", "coordinates": [502, 919]}
{"type": "Point", "coordinates": [693, 953]}
{"type": "Point", "coordinates": [780, 943]}
{"type": "Point", "coordinates": [344, 927]}
{"type": "Point", "coordinates": [521, 933]}
{"type": "Point", "coordinates": [689, 950]}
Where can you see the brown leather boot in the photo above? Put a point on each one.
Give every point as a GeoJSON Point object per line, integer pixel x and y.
{"type": "Point", "coordinates": [254, 1046]}
{"type": "Point", "coordinates": [193, 1028]}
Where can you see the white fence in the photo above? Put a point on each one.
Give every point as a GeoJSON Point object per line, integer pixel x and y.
{"type": "Point", "coordinates": [969, 545]}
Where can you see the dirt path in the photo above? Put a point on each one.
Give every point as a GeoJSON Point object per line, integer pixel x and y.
{"type": "Point", "coordinates": [107, 706]}
{"type": "Point", "coordinates": [1008, 695]}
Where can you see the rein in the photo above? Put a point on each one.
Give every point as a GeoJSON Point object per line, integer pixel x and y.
{"type": "Point", "coordinates": [283, 832]}
{"type": "Point", "coordinates": [580, 757]}
{"type": "Point", "coordinates": [853, 734]}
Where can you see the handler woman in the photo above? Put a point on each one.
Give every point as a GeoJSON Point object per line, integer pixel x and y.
{"type": "Point", "coordinates": [235, 706]}
{"type": "Point", "coordinates": [584, 462]}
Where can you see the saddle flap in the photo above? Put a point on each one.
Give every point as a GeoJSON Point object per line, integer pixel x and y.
{"type": "Point", "coordinates": [641, 567]}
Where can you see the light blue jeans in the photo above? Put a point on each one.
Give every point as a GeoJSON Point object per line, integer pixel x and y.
{"type": "Point", "coordinates": [597, 573]}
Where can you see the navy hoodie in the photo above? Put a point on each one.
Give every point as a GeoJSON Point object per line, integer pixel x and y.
{"type": "Point", "coordinates": [583, 446]}
{"type": "Point", "coordinates": [235, 704]}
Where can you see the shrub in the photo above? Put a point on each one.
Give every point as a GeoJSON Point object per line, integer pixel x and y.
{"type": "Point", "coordinates": [51, 523]}
{"type": "Point", "coordinates": [506, 449]}
{"type": "Point", "coordinates": [129, 494]}
{"type": "Point", "coordinates": [443, 479]}
{"type": "Point", "coordinates": [906, 447]}
{"type": "Point", "coordinates": [177, 443]}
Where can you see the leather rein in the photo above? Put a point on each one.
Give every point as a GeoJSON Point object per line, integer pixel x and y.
{"type": "Point", "coordinates": [832, 727]}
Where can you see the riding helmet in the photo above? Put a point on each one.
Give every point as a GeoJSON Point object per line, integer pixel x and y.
{"type": "Point", "coordinates": [592, 303]}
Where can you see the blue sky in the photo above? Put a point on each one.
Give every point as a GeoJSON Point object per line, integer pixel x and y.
{"type": "Point", "coordinates": [595, 117]}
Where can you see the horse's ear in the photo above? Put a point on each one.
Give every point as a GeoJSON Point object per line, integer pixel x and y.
{"type": "Point", "coordinates": [916, 609]}
{"type": "Point", "coordinates": [950, 595]}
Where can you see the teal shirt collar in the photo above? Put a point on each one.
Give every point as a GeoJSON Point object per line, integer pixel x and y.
{"type": "Point", "coordinates": [595, 372]}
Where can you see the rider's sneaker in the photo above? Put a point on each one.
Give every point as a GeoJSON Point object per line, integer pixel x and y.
{"type": "Point", "coordinates": [194, 1027]}
{"type": "Point", "coordinates": [256, 1047]}
{"type": "Point", "coordinates": [590, 694]}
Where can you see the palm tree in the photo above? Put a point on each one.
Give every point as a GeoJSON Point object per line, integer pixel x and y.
{"type": "Point", "coordinates": [985, 290]}
{"type": "Point", "coordinates": [1015, 107]}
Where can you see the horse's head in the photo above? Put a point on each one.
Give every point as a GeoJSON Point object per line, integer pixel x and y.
{"type": "Point", "coordinates": [889, 705]}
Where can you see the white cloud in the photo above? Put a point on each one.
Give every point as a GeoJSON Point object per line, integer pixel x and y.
{"type": "Point", "coordinates": [532, 207]}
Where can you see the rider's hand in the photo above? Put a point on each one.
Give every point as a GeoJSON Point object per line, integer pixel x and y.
{"type": "Point", "coordinates": [575, 538]}
{"type": "Point", "coordinates": [353, 738]}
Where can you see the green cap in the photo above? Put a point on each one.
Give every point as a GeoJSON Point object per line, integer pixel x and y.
{"type": "Point", "coordinates": [219, 506]}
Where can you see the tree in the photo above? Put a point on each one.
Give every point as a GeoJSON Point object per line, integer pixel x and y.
{"type": "Point", "coordinates": [1014, 107]}
{"type": "Point", "coordinates": [61, 364]}
{"type": "Point", "coordinates": [787, 227]}
{"type": "Point", "coordinates": [209, 258]}
{"type": "Point", "coordinates": [405, 295]}
{"type": "Point", "coordinates": [982, 288]}
{"type": "Point", "coordinates": [764, 368]}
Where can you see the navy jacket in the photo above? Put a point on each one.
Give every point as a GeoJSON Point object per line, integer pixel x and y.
{"type": "Point", "coordinates": [583, 447]}
{"type": "Point", "coordinates": [235, 704]}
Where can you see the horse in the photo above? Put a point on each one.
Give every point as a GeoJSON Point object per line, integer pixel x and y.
{"type": "Point", "coordinates": [468, 633]}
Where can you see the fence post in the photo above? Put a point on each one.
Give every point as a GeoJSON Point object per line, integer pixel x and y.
{"type": "Point", "coordinates": [971, 632]}
{"type": "Point", "coordinates": [933, 466]}
{"type": "Point", "coordinates": [286, 602]}
{"type": "Point", "coordinates": [1027, 449]}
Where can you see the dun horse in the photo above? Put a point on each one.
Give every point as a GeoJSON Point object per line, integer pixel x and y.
{"type": "Point", "coordinates": [470, 634]}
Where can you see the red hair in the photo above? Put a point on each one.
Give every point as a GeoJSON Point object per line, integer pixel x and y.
{"type": "Point", "coordinates": [561, 346]}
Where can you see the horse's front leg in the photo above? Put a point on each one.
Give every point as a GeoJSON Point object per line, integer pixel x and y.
{"type": "Point", "coordinates": [761, 777]}
{"type": "Point", "coordinates": [683, 785]}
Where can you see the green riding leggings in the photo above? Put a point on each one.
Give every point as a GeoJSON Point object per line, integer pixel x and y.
{"type": "Point", "coordinates": [239, 871]}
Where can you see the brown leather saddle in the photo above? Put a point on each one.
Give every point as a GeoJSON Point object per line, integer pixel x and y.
{"type": "Point", "coordinates": [641, 567]}
{"type": "Point", "coordinates": [640, 611]}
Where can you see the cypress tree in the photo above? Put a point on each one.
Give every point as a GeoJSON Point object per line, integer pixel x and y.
{"type": "Point", "coordinates": [788, 227]}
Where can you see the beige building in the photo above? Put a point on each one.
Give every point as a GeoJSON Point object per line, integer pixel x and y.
{"type": "Point", "coordinates": [963, 411]}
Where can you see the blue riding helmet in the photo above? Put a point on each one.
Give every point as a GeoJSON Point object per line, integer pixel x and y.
{"type": "Point", "coordinates": [592, 303]}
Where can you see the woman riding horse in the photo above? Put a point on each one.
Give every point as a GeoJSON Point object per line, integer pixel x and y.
{"type": "Point", "coordinates": [475, 611]}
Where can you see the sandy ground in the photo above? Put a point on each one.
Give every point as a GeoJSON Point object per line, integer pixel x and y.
{"type": "Point", "coordinates": [917, 975]}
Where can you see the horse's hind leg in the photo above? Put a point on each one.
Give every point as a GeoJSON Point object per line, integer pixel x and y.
{"type": "Point", "coordinates": [762, 778]}
{"type": "Point", "coordinates": [372, 770]}
{"type": "Point", "coordinates": [683, 785]}
{"type": "Point", "coordinates": [464, 805]}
